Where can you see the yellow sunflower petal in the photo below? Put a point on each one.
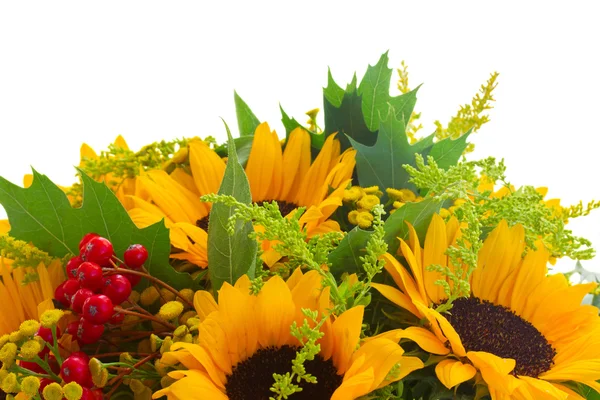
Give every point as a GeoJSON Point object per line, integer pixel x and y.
{"type": "Point", "coordinates": [207, 167]}
{"type": "Point", "coordinates": [583, 370]}
{"type": "Point", "coordinates": [346, 331]}
{"type": "Point", "coordinates": [275, 311]}
{"type": "Point", "coordinates": [236, 307]}
{"type": "Point", "coordinates": [425, 339]}
{"type": "Point", "coordinates": [264, 167]}
{"type": "Point", "coordinates": [217, 376]}
{"type": "Point", "coordinates": [195, 385]}
{"type": "Point", "coordinates": [453, 372]}
{"type": "Point", "coordinates": [396, 297]}
{"type": "Point", "coordinates": [495, 371]}
{"type": "Point", "coordinates": [542, 390]}
{"type": "Point", "coordinates": [434, 253]}
{"type": "Point", "coordinates": [296, 162]}
{"type": "Point", "coordinates": [354, 387]}
{"type": "Point", "coordinates": [204, 303]}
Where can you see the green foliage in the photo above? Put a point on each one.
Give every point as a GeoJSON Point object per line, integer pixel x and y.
{"type": "Point", "coordinates": [316, 138]}
{"type": "Point", "coordinates": [243, 146]}
{"type": "Point", "coordinates": [347, 256]}
{"type": "Point", "coordinates": [230, 255]}
{"type": "Point", "coordinates": [247, 121]}
{"type": "Point", "coordinates": [42, 215]}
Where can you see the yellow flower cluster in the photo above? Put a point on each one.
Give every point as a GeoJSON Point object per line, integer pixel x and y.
{"type": "Point", "coordinates": [363, 200]}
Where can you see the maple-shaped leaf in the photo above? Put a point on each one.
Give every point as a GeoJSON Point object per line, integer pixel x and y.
{"type": "Point", "coordinates": [382, 164]}
{"type": "Point", "coordinates": [41, 214]}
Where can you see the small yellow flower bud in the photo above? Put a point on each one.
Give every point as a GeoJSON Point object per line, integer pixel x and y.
{"type": "Point", "coordinates": [51, 317]}
{"type": "Point", "coordinates": [72, 391]}
{"type": "Point", "coordinates": [312, 114]}
{"type": "Point", "coordinates": [8, 353]}
{"type": "Point", "coordinates": [30, 385]}
{"type": "Point", "coordinates": [128, 323]}
{"type": "Point", "coordinates": [136, 386]}
{"type": "Point", "coordinates": [183, 319]}
{"type": "Point", "coordinates": [166, 295]}
{"type": "Point", "coordinates": [167, 381]}
{"type": "Point", "coordinates": [398, 204]}
{"type": "Point", "coordinates": [352, 215]}
{"type": "Point", "coordinates": [30, 349]}
{"type": "Point", "coordinates": [193, 323]}
{"type": "Point", "coordinates": [134, 297]}
{"type": "Point", "coordinates": [155, 342]}
{"type": "Point", "coordinates": [364, 219]}
{"type": "Point", "coordinates": [368, 202]}
{"type": "Point", "coordinates": [160, 367]}
{"type": "Point", "coordinates": [407, 195]}
{"type": "Point", "coordinates": [15, 336]}
{"type": "Point", "coordinates": [374, 190]}
{"type": "Point", "coordinates": [99, 373]}
{"type": "Point", "coordinates": [180, 332]}
{"type": "Point", "coordinates": [187, 339]}
{"type": "Point", "coordinates": [29, 327]}
{"type": "Point", "coordinates": [459, 202]}
{"type": "Point", "coordinates": [170, 310]}
{"type": "Point", "coordinates": [53, 392]}
{"type": "Point", "coordinates": [146, 394]}
{"type": "Point", "coordinates": [187, 294]}
{"type": "Point", "coordinates": [3, 340]}
{"type": "Point", "coordinates": [166, 345]}
{"type": "Point", "coordinates": [149, 296]}
{"type": "Point", "coordinates": [353, 194]}
{"type": "Point", "coordinates": [126, 358]}
{"type": "Point", "coordinates": [10, 383]}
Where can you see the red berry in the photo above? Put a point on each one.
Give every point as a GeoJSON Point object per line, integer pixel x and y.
{"type": "Point", "coordinates": [32, 366]}
{"type": "Point", "coordinates": [65, 291]}
{"type": "Point", "coordinates": [117, 288]}
{"type": "Point", "coordinates": [98, 250]}
{"type": "Point", "coordinates": [46, 334]}
{"type": "Point", "coordinates": [117, 318]}
{"type": "Point", "coordinates": [98, 309]}
{"type": "Point", "coordinates": [81, 355]}
{"type": "Point", "coordinates": [88, 333]}
{"type": "Point", "coordinates": [75, 369]}
{"type": "Point", "coordinates": [85, 240]}
{"type": "Point", "coordinates": [135, 256]}
{"type": "Point", "coordinates": [79, 298]}
{"type": "Point", "coordinates": [72, 266]}
{"type": "Point", "coordinates": [89, 275]}
{"type": "Point", "coordinates": [72, 329]}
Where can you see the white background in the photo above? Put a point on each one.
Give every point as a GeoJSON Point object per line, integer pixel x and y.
{"type": "Point", "coordinates": [79, 71]}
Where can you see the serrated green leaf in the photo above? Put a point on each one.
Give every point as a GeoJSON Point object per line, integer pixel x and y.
{"type": "Point", "coordinates": [374, 90]}
{"type": "Point", "coordinates": [333, 92]}
{"type": "Point", "coordinates": [381, 164]}
{"type": "Point", "coordinates": [447, 152]}
{"type": "Point", "coordinates": [247, 121]}
{"type": "Point", "coordinates": [230, 256]}
{"type": "Point", "coordinates": [346, 257]}
{"type": "Point", "coordinates": [42, 215]}
{"type": "Point", "coordinates": [404, 104]}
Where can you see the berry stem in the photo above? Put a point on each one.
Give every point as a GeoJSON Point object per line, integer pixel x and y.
{"type": "Point", "coordinates": [148, 317]}
{"type": "Point", "coordinates": [119, 378]}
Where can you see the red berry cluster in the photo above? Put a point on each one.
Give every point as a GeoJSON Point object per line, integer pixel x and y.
{"type": "Point", "coordinates": [93, 289]}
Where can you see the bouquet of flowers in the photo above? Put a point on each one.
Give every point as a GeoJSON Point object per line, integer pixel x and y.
{"type": "Point", "coordinates": [357, 260]}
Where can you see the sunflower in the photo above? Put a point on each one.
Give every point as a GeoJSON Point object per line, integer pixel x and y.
{"type": "Point", "coordinates": [286, 176]}
{"type": "Point", "coordinates": [21, 302]}
{"type": "Point", "coordinates": [521, 332]}
{"type": "Point", "coordinates": [244, 339]}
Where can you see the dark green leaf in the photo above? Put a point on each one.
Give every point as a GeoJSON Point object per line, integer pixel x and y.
{"type": "Point", "coordinates": [230, 256]}
{"type": "Point", "coordinates": [247, 121]}
{"type": "Point", "coordinates": [345, 258]}
{"type": "Point", "coordinates": [381, 164]}
{"type": "Point", "coordinates": [243, 145]}
{"type": "Point", "coordinates": [42, 215]}
{"type": "Point", "coordinates": [403, 104]}
{"type": "Point", "coordinates": [447, 152]}
{"type": "Point", "coordinates": [374, 90]}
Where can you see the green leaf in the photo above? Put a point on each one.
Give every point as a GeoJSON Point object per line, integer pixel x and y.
{"type": "Point", "coordinates": [333, 93]}
{"type": "Point", "coordinates": [381, 164]}
{"type": "Point", "coordinates": [447, 152]}
{"type": "Point", "coordinates": [42, 215]}
{"type": "Point", "coordinates": [247, 121]}
{"type": "Point", "coordinates": [345, 258]}
{"type": "Point", "coordinates": [375, 91]}
{"type": "Point", "coordinates": [403, 104]}
{"type": "Point", "coordinates": [243, 145]}
{"type": "Point", "coordinates": [230, 256]}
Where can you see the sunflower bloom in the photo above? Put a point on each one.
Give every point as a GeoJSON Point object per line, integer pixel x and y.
{"type": "Point", "coordinates": [244, 339]}
{"type": "Point", "coordinates": [22, 302]}
{"type": "Point", "coordinates": [288, 177]}
{"type": "Point", "coordinates": [521, 331]}
{"type": "Point", "coordinates": [175, 198]}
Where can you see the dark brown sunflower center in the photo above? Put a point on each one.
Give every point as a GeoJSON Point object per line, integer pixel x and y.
{"type": "Point", "coordinates": [203, 223]}
{"type": "Point", "coordinates": [284, 207]}
{"type": "Point", "coordinates": [252, 379]}
{"type": "Point", "coordinates": [483, 326]}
